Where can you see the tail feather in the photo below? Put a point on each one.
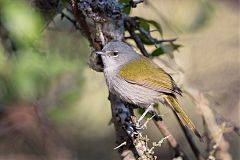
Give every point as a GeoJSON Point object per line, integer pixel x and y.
{"type": "Point", "coordinates": [172, 102]}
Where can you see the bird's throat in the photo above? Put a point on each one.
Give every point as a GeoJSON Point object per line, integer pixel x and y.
{"type": "Point", "coordinates": [110, 74]}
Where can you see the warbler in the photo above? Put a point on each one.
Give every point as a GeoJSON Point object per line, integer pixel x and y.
{"type": "Point", "coordinates": [137, 80]}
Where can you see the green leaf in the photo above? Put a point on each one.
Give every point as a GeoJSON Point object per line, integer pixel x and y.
{"type": "Point", "coordinates": [144, 39]}
{"type": "Point", "coordinates": [153, 23]}
{"type": "Point", "coordinates": [144, 25]}
{"type": "Point", "coordinates": [176, 46]}
{"type": "Point", "coordinates": [169, 48]}
{"type": "Point", "coordinates": [127, 10]}
{"type": "Point", "coordinates": [127, 7]}
{"type": "Point", "coordinates": [157, 52]}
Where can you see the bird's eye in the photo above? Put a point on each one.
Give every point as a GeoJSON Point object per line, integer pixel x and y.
{"type": "Point", "coordinates": [115, 53]}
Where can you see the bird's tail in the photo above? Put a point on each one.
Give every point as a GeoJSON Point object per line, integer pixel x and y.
{"type": "Point", "coordinates": [172, 102]}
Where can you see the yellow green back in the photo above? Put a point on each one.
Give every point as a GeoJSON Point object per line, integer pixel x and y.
{"type": "Point", "coordinates": [144, 72]}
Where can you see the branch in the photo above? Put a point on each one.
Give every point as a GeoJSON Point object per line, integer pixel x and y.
{"type": "Point", "coordinates": [220, 148]}
{"type": "Point", "coordinates": [190, 140]}
{"type": "Point", "coordinates": [134, 3]}
{"type": "Point", "coordinates": [82, 22]}
{"type": "Point", "coordinates": [130, 25]}
{"type": "Point", "coordinates": [121, 114]}
{"type": "Point", "coordinates": [132, 145]}
{"type": "Point", "coordinates": [154, 40]}
{"type": "Point", "coordinates": [73, 21]}
{"type": "Point", "coordinates": [179, 153]}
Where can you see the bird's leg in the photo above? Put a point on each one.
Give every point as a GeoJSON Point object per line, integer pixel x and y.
{"type": "Point", "coordinates": [150, 108]}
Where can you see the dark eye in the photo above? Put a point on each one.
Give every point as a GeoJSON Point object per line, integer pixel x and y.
{"type": "Point", "coordinates": [115, 53]}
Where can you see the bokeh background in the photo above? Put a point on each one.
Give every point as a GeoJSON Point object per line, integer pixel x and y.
{"type": "Point", "coordinates": [53, 106]}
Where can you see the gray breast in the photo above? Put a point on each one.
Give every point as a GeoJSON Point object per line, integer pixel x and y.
{"type": "Point", "coordinates": [131, 93]}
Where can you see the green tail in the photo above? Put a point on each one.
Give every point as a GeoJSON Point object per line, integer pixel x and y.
{"type": "Point", "coordinates": [172, 102]}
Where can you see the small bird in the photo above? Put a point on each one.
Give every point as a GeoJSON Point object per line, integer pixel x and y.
{"type": "Point", "coordinates": [137, 80]}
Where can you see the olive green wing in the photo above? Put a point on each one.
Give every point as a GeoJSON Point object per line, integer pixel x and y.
{"type": "Point", "coordinates": [144, 72]}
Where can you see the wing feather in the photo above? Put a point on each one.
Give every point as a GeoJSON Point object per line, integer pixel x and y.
{"type": "Point", "coordinates": [145, 73]}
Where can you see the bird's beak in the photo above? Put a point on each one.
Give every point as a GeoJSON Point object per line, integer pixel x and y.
{"type": "Point", "coordinates": [100, 53]}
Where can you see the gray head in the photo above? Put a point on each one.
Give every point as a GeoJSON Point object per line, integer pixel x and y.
{"type": "Point", "coordinates": [116, 54]}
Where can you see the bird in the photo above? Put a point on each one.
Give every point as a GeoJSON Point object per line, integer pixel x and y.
{"type": "Point", "coordinates": [137, 80]}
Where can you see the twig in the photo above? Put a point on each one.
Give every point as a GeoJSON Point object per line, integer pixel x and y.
{"type": "Point", "coordinates": [146, 34]}
{"type": "Point", "coordinates": [73, 21]}
{"type": "Point", "coordinates": [166, 40]}
{"type": "Point", "coordinates": [171, 139]}
{"type": "Point", "coordinates": [214, 130]}
{"type": "Point", "coordinates": [218, 116]}
{"type": "Point", "coordinates": [229, 124]}
{"type": "Point", "coordinates": [146, 122]}
{"type": "Point", "coordinates": [154, 40]}
{"type": "Point", "coordinates": [206, 134]}
{"type": "Point", "coordinates": [130, 26]}
{"type": "Point", "coordinates": [190, 140]}
{"type": "Point", "coordinates": [215, 147]}
{"type": "Point", "coordinates": [134, 3]}
{"type": "Point", "coordinates": [122, 144]}
{"type": "Point", "coordinates": [129, 138]}
{"type": "Point", "coordinates": [159, 143]}
{"type": "Point", "coordinates": [121, 117]}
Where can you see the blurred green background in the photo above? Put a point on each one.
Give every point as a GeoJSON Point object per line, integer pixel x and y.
{"type": "Point", "coordinates": [53, 106]}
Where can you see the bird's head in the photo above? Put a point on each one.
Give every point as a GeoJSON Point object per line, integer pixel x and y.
{"type": "Point", "coordinates": [116, 54]}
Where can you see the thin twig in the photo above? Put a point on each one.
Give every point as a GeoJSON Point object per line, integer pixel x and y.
{"type": "Point", "coordinates": [73, 21]}
{"type": "Point", "coordinates": [220, 117]}
{"type": "Point", "coordinates": [159, 143]}
{"type": "Point", "coordinates": [121, 117]}
{"type": "Point", "coordinates": [171, 139]}
{"type": "Point", "coordinates": [206, 134]}
{"type": "Point", "coordinates": [147, 34]}
{"type": "Point", "coordinates": [122, 144]}
{"type": "Point", "coordinates": [190, 140]}
{"type": "Point", "coordinates": [154, 40]}
{"type": "Point", "coordinates": [214, 130]}
{"type": "Point", "coordinates": [134, 3]}
{"type": "Point", "coordinates": [130, 26]}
